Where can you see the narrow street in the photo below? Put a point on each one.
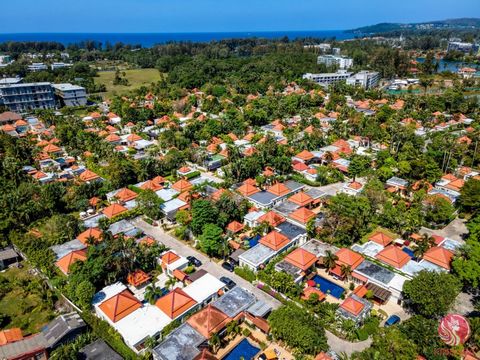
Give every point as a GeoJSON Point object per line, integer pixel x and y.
{"type": "Point", "coordinates": [213, 268]}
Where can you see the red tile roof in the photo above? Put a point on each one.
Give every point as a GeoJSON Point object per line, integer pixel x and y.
{"type": "Point", "coordinates": [208, 321]}
{"type": "Point", "coordinates": [348, 257]}
{"type": "Point", "coordinates": [235, 227]}
{"type": "Point", "coordinates": [175, 303]}
{"type": "Point", "coordinates": [279, 189]}
{"type": "Point", "coordinates": [381, 238]}
{"type": "Point", "coordinates": [138, 277]}
{"type": "Point", "coordinates": [302, 215]}
{"type": "Point", "coordinates": [301, 258]}
{"type": "Point", "coordinates": [394, 256]}
{"type": "Point", "coordinates": [353, 306]}
{"type": "Point", "coordinates": [8, 336]}
{"type": "Point", "coordinates": [271, 217]}
{"type": "Point", "coordinates": [439, 256]}
{"type": "Point", "coordinates": [65, 262]}
{"type": "Point", "coordinates": [274, 240]}
{"type": "Point", "coordinates": [120, 305]}
{"type": "Point", "coordinates": [301, 199]}
{"type": "Point", "coordinates": [93, 233]}
{"type": "Point", "coordinates": [114, 210]}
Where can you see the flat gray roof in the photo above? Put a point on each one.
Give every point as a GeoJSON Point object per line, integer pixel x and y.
{"type": "Point", "coordinates": [7, 254]}
{"type": "Point", "coordinates": [263, 197]}
{"type": "Point", "coordinates": [181, 344]}
{"type": "Point", "coordinates": [260, 308]}
{"type": "Point", "coordinates": [288, 268]}
{"type": "Point", "coordinates": [29, 344]}
{"type": "Point", "coordinates": [235, 301]}
{"type": "Point", "coordinates": [98, 350]}
{"type": "Point", "coordinates": [318, 248]}
{"type": "Point", "coordinates": [67, 87]}
{"type": "Point", "coordinates": [293, 185]}
{"type": "Point", "coordinates": [290, 230]}
{"type": "Point", "coordinates": [375, 271]}
{"type": "Point", "coordinates": [257, 255]}
{"type": "Point", "coordinates": [66, 248]}
{"type": "Point", "coordinates": [286, 207]}
{"type": "Point", "coordinates": [60, 327]}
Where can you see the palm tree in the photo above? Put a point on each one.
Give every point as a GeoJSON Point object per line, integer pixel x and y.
{"type": "Point", "coordinates": [152, 293]}
{"type": "Point", "coordinates": [423, 245]}
{"type": "Point", "coordinates": [214, 342]}
{"type": "Point", "coordinates": [330, 260]}
{"type": "Point", "coordinates": [346, 271]}
{"type": "Point", "coordinates": [170, 282]}
{"type": "Point", "coordinates": [232, 328]}
{"type": "Point", "coordinates": [347, 327]}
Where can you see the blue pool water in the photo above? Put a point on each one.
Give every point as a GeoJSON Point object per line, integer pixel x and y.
{"type": "Point", "coordinates": [408, 252]}
{"type": "Point", "coordinates": [328, 286]}
{"type": "Point", "coordinates": [243, 350]}
{"type": "Point", "coordinates": [254, 241]}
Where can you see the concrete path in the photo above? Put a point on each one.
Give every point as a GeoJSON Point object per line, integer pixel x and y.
{"type": "Point", "coordinates": [212, 267]}
{"type": "Point", "coordinates": [456, 230]}
{"type": "Point", "coordinates": [343, 346]}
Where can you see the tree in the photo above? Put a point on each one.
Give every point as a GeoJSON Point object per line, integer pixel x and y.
{"type": "Point", "coordinates": [299, 329]}
{"type": "Point", "coordinates": [388, 344]}
{"type": "Point", "coordinates": [211, 240]}
{"type": "Point", "coordinates": [84, 293]}
{"type": "Point", "coordinates": [203, 212]}
{"type": "Point", "coordinates": [439, 210]}
{"type": "Point", "coordinates": [330, 260]}
{"type": "Point", "coordinates": [470, 195]}
{"type": "Point", "coordinates": [423, 245]}
{"type": "Point", "coordinates": [152, 293]}
{"type": "Point", "coordinates": [358, 165]}
{"type": "Point", "coordinates": [424, 333]}
{"type": "Point", "coordinates": [149, 203]}
{"type": "Point", "coordinates": [183, 217]}
{"type": "Point", "coordinates": [466, 264]}
{"type": "Point", "coordinates": [431, 294]}
{"type": "Point", "coordinates": [346, 271]}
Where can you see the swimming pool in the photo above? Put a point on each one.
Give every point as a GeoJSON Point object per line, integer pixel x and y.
{"type": "Point", "coordinates": [254, 240]}
{"type": "Point", "coordinates": [326, 286]}
{"type": "Point", "coordinates": [243, 350]}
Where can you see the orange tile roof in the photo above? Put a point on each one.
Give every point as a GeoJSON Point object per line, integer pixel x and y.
{"type": "Point", "coordinates": [456, 185]}
{"type": "Point", "coordinates": [88, 175]}
{"type": "Point", "coordinates": [65, 262]}
{"type": "Point", "coordinates": [138, 277]}
{"type": "Point", "coordinates": [300, 166]}
{"type": "Point", "coordinates": [250, 151]}
{"type": "Point", "coordinates": [274, 240]}
{"type": "Point", "coordinates": [301, 199]}
{"type": "Point", "coordinates": [147, 240]}
{"type": "Point", "coordinates": [301, 258]}
{"type": "Point", "coordinates": [271, 217]}
{"type": "Point", "coordinates": [179, 274]}
{"type": "Point", "coordinates": [151, 185]}
{"type": "Point", "coordinates": [8, 128]}
{"type": "Point", "coordinates": [247, 190]}
{"type": "Point", "coordinates": [158, 180]}
{"type": "Point", "coordinates": [182, 185]}
{"type": "Point", "coordinates": [235, 226]}
{"type": "Point", "coordinates": [360, 290]}
{"type": "Point", "coordinates": [381, 238]}
{"type": "Point", "coordinates": [126, 194]}
{"type": "Point", "coordinates": [312, 290]}
{"type": "Point", "coordinates": [393, 256]}
{"type": "Point", "coordinates": [184, 169]}
{"type": "Point", "coordinates": [175, 303]}
{"type": "Point", "coordinates": [50, 148]}
{"type": "Point", "coordinates": [8, 336]}
{"type": "Point", "coordinates": [348, 257]}
{"type": "Point", "coordinates": [302, 215]}
{"type": "Point", "coordinates": [94, 233]}
{"type": "Point", "coordinates": [218, 194]}
{"type": "Point", "coordinates": [323, 356]}
{"type": "Point", "coordinates": [208, 321]}
{"type": "Point", "coordinates": [305, 155]}
{"type": "Point", "coordinates": [169, 257]}
{"type": "Point", "coordinates": [449, 177]}
{"type": "Point", "coordinates": [355, 185]}
{"type": "Point", "coordinates": [133, 138]}
{"type": "Point", "coordinates": [112, 138]}
{"type": "Point", "coordinates": [278, 189]}
{"type": "Point", "coordinates": [353, 306]}
{"type": "Point", "coordinates": [120, 305]}
{"type": "Point", "coordinates": [250, 181]}
{"type": "Point", "coordinates": [439, 256]}
{"type": "Point", "coordinates": [114, 210]}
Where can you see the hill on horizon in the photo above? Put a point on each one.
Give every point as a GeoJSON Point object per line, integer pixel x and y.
{"type": "Point", "coordinates": [460, 23]}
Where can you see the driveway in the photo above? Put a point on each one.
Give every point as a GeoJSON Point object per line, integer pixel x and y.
{"type": "Point", "coordinates": [212, 267]}
{"type": "Point", "coordinates": [456, 230]}
{"type": "Point", "coordinates": [343, 346]}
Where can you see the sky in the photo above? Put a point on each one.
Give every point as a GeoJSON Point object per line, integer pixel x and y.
{"type": "Point", "coordinates": [140, 16]}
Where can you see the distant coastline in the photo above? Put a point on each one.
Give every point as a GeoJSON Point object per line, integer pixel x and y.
{"type": "Point", "coordinates": [150, 39]}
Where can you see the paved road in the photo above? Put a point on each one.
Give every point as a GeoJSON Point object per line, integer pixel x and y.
{"type": "Point", "coordinates": [456, 230]}
{"type": "Point", "coordinates": [213, 268]}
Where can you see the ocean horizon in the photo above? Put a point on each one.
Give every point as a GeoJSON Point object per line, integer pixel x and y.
{"type": "Point", "coordinates": [151, 39]}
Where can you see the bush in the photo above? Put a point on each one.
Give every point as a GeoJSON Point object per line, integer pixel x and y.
{"type": "Point", "coordinates": [362, 334]}
{"type": "Point", "coordinates": [246, 273]}
{"type": "Point", "coordinates": [192, 175]}
{"type": "Point", "coordinates": [246, 332]}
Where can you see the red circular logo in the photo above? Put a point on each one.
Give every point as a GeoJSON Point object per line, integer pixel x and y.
{"type": "Point", "coordinates": [454, 329]}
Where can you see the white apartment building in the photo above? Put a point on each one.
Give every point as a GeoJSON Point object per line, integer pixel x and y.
{"type": "Point", "coordinates": [365, 79]}
{"type": "Point", "coordinates": [331, 60]}
{"type": "Point", "coordinates": [327, 79]}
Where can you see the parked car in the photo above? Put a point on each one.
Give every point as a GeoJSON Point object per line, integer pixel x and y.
{"type": "Point", "coordinates": [392, 320]}
{"type": "Point", "coordinates": [229, 282]}
{"type": "Point", "coordinates": [227, 266]}
{"type": "Point", "coordinates": [192, 260]}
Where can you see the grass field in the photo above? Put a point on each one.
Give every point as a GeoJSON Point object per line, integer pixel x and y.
{"type": "Point", "coordinates": [136, 78]}
{"type": "Point", "coordinates": [25, 300]}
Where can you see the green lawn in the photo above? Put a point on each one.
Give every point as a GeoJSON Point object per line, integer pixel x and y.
{"type": "Point", "coordinates": [136, 78]}
{"type": "Point", "coordinates": [25, 300]}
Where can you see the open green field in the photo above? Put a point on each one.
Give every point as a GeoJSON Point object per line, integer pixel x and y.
{"type": "Point", "coordinates": [25, 301]}
{"type": "Point", "coordinates": [136, 78]}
